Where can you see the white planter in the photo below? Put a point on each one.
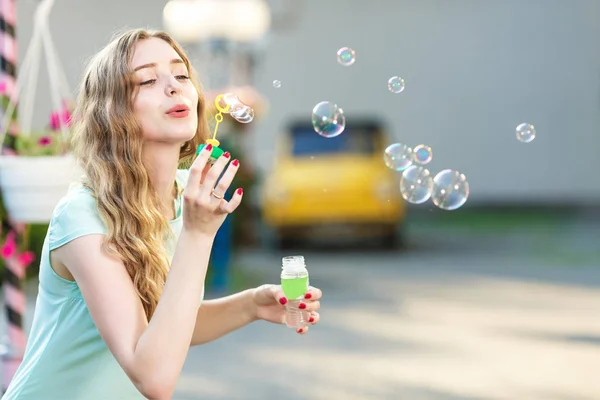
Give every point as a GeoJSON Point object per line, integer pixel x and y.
{"type": "Point", "coordinates": [33, 186]}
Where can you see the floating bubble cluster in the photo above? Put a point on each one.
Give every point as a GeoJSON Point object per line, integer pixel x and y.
{"type": "Point", "coordinates": [448, 190]}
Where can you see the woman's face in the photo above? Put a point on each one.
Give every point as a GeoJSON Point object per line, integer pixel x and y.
{"type": "Point", "coordinates": [165, 101]}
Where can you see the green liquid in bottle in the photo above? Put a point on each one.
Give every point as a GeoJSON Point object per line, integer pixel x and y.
{"type": "Point", "coordinates": [295, 287]}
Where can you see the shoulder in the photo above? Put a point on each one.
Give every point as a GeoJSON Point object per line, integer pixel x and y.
{"type": "Point", "coordinates": [75, 215]}
{"type": "Point", "coordinates": [79, 202]}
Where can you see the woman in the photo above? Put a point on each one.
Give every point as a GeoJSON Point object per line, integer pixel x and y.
{"type": "Point", "coordinates": [124, 261]}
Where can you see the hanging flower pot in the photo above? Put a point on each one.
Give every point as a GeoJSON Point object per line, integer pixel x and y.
{"type": "Point", "coordinates": [33, 186]}
{"type": "Point", "coordinates": [40, 168]}
{"type": "Point", "coordinates": [40, 173]}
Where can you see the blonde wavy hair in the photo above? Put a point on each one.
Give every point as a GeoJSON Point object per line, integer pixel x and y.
{"type": "Point", "coordinates": [107, 140]}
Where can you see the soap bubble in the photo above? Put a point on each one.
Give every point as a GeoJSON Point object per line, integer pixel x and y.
{"type": "Point", "coordinates": [416, 184]}
{"type": "Point", "coordinates": [423, 154]}
{"type": "Point", "coordinates": [276, 84]}
{"type": "Point", "coordinates": [244, 115]}
{"type": "Point", "coordinates": [346, 56]}
{"type": "Point", "coordinates": [395, 84]}
{"type": "Point", "coordinates": [398, 156]}
{"type": "Point", "coordinates": [450, 190]}
{"type": "Point", "coordinates": [328, 119]}
{"type": "Point", "coordinates": [525, 132]}
{"type": "Point", "coordinates": [230, 103]}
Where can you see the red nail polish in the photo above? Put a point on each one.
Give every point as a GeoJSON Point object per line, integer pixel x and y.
{"type": "Point", "coordinates": [311, 319]}
{"type": "Point", "coordinates": [302, 306]}
{"type": "Point", "coordinates": [226, 154]}
{"type": "Point", "coordinates": [208, 147]}
{"type": "Point", "coordinates": [235, 163]}
{"type": "Point", "coordinates": [307, 296]}
{"type": "Point", "coordinates": [299, 330]}
{"type": "Point", "coordinates": [283, 300]}
{"type": "Point", "coordinates": [240, 191]}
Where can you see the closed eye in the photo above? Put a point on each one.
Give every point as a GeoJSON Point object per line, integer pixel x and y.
{"type": "Point", "coordinates": [151, 81]}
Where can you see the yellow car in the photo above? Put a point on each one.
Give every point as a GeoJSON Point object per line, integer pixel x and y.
{"type": "Point", "coordinates": [332, 187]}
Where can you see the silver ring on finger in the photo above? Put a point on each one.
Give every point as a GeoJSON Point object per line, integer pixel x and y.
{"type": "Point", "coordinates": [216, 196]}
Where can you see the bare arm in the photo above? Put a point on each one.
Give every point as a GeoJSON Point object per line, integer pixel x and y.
{"type": "Point", "coordinates": [216, 318]}
{"type": "Point", "coordinates": [152, 354]}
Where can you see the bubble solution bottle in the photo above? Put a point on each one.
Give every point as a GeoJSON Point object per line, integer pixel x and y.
{"type": "Point", "coordinates": [294, 283]}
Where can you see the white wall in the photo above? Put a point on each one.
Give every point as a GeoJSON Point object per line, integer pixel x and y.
{"type": "Point", "coordinates": [474, 69]}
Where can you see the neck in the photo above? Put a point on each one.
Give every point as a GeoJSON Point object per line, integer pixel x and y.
{"type": "Point", "coordinates": [162, 160]}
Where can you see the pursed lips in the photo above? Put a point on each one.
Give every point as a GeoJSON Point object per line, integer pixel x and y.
{"type": "Point", "coordinates": [180, 110]}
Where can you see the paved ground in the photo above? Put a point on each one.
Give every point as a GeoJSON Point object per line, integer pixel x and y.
{"type": "Point", "coordinates": [459, 315]}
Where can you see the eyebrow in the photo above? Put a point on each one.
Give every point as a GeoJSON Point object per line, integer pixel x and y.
{"type": "Point", "coordinates": [151, 65]}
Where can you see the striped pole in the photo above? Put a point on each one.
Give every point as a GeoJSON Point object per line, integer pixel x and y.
{"type": "Point", "coordinates": [8, 64]}
{"type": "Point", "coordinates": [14, 270]}
{"type": "Point", "coordinates": [14, 274]}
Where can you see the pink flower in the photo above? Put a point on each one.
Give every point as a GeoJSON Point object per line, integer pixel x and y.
{"type": "Point", "coordinates": [55, 121]}
{"type": "Point", "coordinates": [60, 117]}
{"type": "Point", "coordinates": [45, 141]}
{"type": "Point", "coordinates": [10, 246]}
{"type": "Point", "coordinates": [2, 87]}
{"type": "Point", "coordinates": [66, 116]}
{"type": "Point", "coordinates": [26, 258]}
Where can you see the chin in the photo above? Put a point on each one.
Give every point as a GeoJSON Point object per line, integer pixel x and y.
{"type": "Point", "coordinates": [182, 134]}
{"type": "Point", "coordinates": [178, 132]}
{"type": "Point", "coordinates": [181, 137]}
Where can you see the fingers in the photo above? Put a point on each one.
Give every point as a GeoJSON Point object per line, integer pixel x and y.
{"type": "Point", "coordinates": [192, 187]}
{"type": "Point", "coordinates": [278, 294]}
{"type": "Point", "coordinates": [214, 173]}
{"type": "Point", "coordinates": [204, 172]}
{"type": "Point", "coordinates": [313, 293]}
{"type": "Point", "coordinates": [231, 205]}
{"type": "Point", "coordinates": [311, 299]}
{"type": "Point", "coordinates": [310, 302]}
{"type": "Point", "coordinates": [302, 331]}
{"type": "Point", "coordinates": [313, 318]}
{"type": "Point", "coordinates": [227, 178]}
{"type": "Point", "coordinates": [310, 305]}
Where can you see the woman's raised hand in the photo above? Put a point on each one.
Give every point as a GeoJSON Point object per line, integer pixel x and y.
{"type": "Point", "coordinates": [205, 207]}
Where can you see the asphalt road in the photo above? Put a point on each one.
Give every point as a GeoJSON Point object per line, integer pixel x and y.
{"type": "Point", "coordinates": [459, 315]}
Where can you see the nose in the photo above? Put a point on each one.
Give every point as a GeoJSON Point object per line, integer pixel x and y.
{"type": "Point", "coordinates": [173, 87]}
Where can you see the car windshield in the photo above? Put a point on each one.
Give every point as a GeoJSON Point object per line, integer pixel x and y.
{"type": "Point", "coordinates": [357, 140]}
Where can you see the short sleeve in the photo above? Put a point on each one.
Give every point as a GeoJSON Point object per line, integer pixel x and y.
{"type": "Point", "coordinates": [75, 215]}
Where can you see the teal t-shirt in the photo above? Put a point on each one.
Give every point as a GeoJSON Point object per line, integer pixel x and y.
{"type": "Point", "coordinates": [65, 358]}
